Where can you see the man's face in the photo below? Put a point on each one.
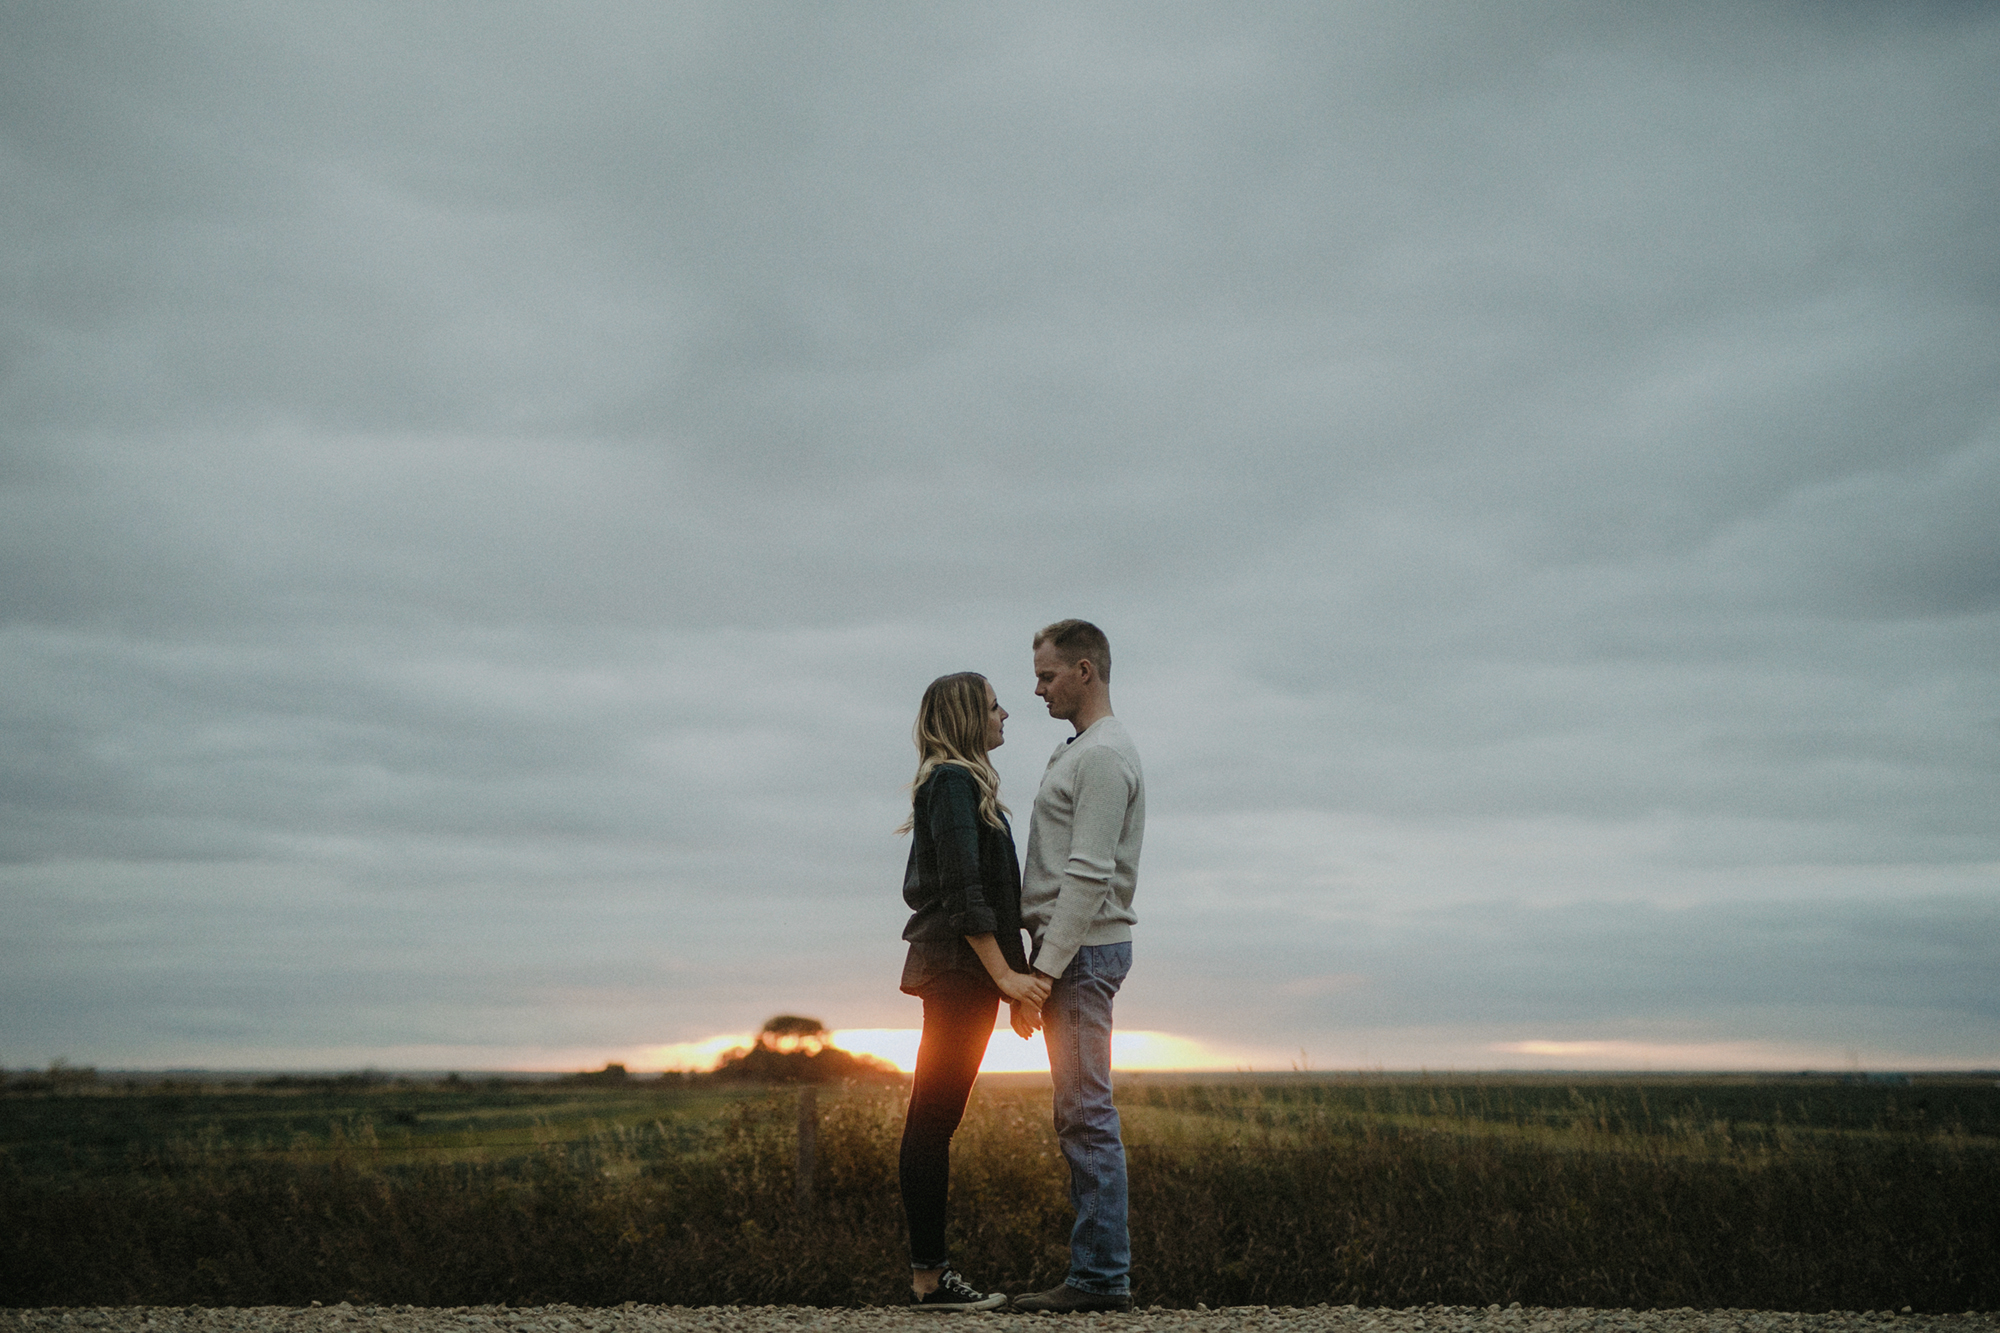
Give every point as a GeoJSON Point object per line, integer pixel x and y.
{"type": "Point", "coordinates": [1058, 683]}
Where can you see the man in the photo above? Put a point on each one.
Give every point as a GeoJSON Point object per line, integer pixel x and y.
{"type": "Point", "coordinates": [1076, 903]}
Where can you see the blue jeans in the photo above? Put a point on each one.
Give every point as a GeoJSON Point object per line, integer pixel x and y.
{"type": "Point", "coordinates": [1077, 1025]}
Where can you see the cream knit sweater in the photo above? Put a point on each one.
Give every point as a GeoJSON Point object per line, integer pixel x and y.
{"type": "Point", "coordinates": [1083, 846]}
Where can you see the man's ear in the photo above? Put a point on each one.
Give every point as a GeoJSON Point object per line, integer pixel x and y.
{"type": "Point", "coordinates": [1087, 669]}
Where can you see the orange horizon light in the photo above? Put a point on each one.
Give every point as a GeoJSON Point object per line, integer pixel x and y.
{"type": "Point", "coordinates": [1136, 1049]}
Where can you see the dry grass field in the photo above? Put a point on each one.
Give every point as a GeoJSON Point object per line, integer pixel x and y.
{"type": "Point", "coordinates": [1798, 1194]}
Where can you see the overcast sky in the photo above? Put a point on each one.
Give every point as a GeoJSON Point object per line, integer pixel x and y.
{"type": "Point", "coordinates": [483, 487]}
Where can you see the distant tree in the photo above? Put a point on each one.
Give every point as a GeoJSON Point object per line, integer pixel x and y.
{"type": "Point", "coordinates": [611, 1074]}
{"type": "Point", "coordinates": [791, 1049]}
{"type": "Point", "coordinates": [789, 1032]}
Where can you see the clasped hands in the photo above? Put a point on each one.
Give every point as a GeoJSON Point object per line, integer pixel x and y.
{"type": "Point", "coordinates": [1026, 992]}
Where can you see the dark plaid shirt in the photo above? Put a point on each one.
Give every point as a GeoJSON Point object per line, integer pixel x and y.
{"type": "Point", "coordinates": [963, 879]}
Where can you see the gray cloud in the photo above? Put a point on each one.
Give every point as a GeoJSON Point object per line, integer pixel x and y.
{"type": "Point", "coordinates": [483, 488]}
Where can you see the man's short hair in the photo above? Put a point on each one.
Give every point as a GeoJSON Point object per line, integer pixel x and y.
{"type": "Point", "coordinates": [1077, 640]}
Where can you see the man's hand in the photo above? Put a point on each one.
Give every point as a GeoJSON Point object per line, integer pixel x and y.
{"type": "Point", "coordinates": [1023, 1019]}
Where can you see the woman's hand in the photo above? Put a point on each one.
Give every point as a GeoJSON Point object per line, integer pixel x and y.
{"type": "Point", "coordinates": [1026, 988]}
{"type": "Point", "coordinates": [1029, 988]}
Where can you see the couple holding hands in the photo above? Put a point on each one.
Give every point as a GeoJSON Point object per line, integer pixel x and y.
{"type": "Point", "coordinates": [971, 900]}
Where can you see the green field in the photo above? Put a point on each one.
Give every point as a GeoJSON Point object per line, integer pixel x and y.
{"type": "Point", "coordinates": [108, 1130]}
{"type": "Point", "coordinates": [1784, 1193]}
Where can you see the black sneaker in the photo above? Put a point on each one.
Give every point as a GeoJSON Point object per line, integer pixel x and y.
{"type": "Point", "coordinates": [1067, 1299]}
{"type": "Point", "coordinates": [951, 1293]}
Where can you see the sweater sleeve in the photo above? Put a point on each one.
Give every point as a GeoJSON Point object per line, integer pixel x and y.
{"type": "Point", "coordinates": [954, 817]}
{"type": "Point", "coordinates": [1103, 795]}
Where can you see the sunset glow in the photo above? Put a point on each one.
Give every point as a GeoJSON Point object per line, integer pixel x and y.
{"type": "Point", "coordinates": [692, 1055]}
{"type": "Point", "coordinates": [1006, 1054]}
{"type": "Point", "coordinates": [1596, 1054]}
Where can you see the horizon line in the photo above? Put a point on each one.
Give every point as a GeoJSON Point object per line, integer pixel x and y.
{"type": "Point", "coordinates": [1971, 1071]}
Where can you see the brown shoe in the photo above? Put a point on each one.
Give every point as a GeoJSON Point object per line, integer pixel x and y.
{"type": "Point", "coordinates": [1064, 1299]}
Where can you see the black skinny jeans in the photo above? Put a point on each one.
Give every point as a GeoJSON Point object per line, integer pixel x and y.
{"type": "Point", "coordinates": [959, 1009]}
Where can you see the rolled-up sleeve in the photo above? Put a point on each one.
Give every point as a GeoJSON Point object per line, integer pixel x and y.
{"type": "Point", "coordinates": [954, 820]}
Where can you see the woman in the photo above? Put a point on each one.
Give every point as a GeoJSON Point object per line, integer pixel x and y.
{"type": "Point", "coordinates": [963, 885]}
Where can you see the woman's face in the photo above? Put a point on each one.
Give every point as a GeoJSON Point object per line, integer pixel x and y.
{"type": "Point", "coordinates": [996, 720]}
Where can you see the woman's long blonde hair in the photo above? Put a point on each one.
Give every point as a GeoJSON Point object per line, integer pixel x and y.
{"type": "Point", "coordinates": [951, 729]}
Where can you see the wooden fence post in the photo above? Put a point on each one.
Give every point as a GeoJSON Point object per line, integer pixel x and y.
{"type": "Point", "coordinates": [808, 1140]}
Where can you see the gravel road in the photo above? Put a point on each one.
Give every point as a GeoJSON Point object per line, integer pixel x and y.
{"type": "Point", "coordinates": [344, 1318]}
